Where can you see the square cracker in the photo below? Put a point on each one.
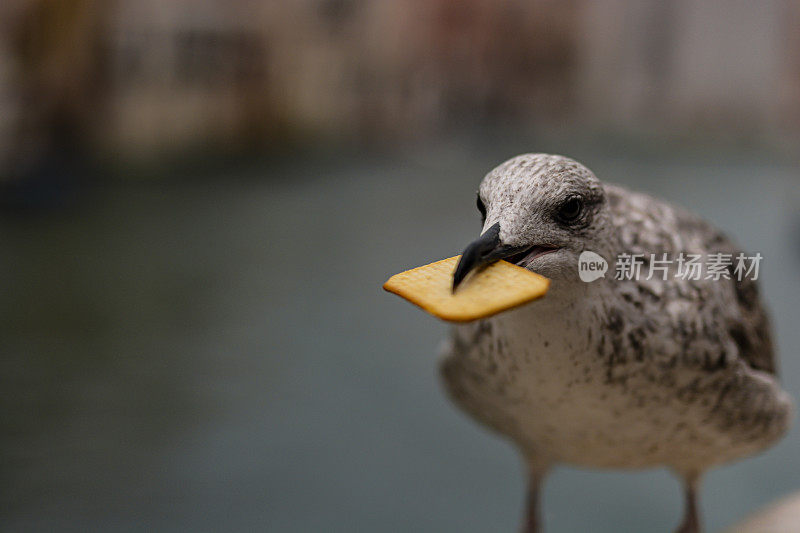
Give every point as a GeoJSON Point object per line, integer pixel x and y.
{"type": "Point", "coordinates": [497, 287]}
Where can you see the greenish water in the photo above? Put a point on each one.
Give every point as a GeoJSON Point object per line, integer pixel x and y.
{"type": "Point", "coordinates": [217, 355]}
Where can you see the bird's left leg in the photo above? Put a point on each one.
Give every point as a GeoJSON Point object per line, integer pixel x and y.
{"type": "Point", "coordinates": [536, 474]}
{"type": "Point", "coordinates": [691, 516]}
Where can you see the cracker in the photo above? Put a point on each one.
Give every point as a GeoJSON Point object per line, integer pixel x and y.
{"type": "Point", "coordinates": [497, 287]}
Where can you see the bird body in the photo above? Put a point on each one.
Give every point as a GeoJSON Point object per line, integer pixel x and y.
{"type": "Point", "coordinates": [615, 373]}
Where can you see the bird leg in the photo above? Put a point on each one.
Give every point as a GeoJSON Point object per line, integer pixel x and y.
{"type": "Point", "coordinates": [536, 474]}
{"type": "Point", "coordinates": [691, 518]}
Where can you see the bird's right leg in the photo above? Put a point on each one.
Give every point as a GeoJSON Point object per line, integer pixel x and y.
{"type": "Point", "coordinates": [536, 475]}
{"type": "Point", "coordinates": [691, 517]}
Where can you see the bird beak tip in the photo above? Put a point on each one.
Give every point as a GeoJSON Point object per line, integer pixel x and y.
{"type": "Point", "coordinates": [458, 277]}
{"type": "Point", "coordinates": [455, 286]}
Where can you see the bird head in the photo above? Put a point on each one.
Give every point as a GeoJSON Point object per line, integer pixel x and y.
{"type": "Point", "coordinates": [540, 212]}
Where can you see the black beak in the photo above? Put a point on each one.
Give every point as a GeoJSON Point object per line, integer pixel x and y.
{"type": "Point", "coordinates": [486, 249]}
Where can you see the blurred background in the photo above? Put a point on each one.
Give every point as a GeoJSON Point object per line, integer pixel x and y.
{"type": "Point", "coordinates": [199, 201]}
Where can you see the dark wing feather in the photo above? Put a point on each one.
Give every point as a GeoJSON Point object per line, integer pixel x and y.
{"type": "Point", "coordinates": [732, 308]}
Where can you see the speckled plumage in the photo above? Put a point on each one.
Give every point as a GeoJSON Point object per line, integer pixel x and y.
{"type": "Point", "coordinates": [616, 373]}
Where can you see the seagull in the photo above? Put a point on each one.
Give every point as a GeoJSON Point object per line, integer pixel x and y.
{"type": "Point", "coordinates": [664, 370]}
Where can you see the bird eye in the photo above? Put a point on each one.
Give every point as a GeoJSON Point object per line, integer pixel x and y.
{"type": "Point", "coordinates": [571, 209]}
{"type": "Point", "coordinates": [482, 209]}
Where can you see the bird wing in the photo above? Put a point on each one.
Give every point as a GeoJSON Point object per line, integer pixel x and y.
{"type": "Point", "coordinates": [466, 356]}
{"type": "Point", "coordinates": [473, 376]}
{"type": "Point", "coordinates": [711, 321]}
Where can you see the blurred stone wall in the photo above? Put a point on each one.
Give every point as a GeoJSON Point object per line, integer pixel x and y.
{"type": "Point", "coordinates": [723, 66]}
{"type": "Point", "coordinates": [146, 76]}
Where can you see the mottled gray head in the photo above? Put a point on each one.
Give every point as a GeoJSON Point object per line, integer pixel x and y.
{"type": "Point", "coordinates": [540, 211]}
